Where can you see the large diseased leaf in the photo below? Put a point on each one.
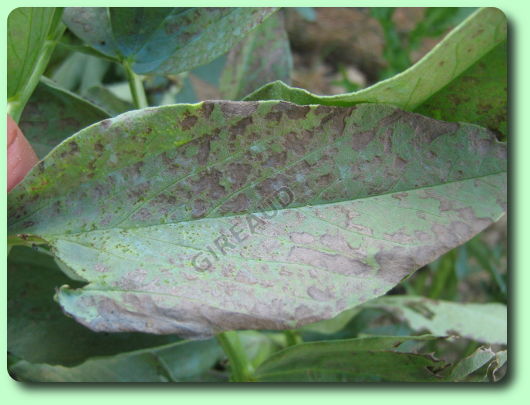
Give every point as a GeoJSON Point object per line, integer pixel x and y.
{"type": "Point", "coordinates": [37, 329]}
{"type": "Point", "coordinates": [262, 57]}
{"type": "Point", "coordinates": [164, 40]}
{"type": "Point", "coordinates": [31, 35]}
{"type": "Point", "coordinates": [53, 114]}
{"type": "Point", "coordinates": [487, 323]}
{"type": "Point", "coordinates": [465, 45]}
{"type": "Point", "coordinates": [368, 359]}
{"type": "Point", "coordinates": [170, 213]}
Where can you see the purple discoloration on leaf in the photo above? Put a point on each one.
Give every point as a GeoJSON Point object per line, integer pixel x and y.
{"type": "Point", "coordinates": [245, 220]}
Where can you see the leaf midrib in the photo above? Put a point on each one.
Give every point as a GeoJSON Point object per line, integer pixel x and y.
{"type": "Point", "coordinates": [58, 235]}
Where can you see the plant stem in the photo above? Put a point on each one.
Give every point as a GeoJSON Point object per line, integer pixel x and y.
{"type": "Point", "coordinates": [16, 104]}
{"type": "Point", "coordinates": [293, 337]}
{"type": "Point", "coordinates": [242, 370]}
{"type": "Point", "coordinates": [136, 86]}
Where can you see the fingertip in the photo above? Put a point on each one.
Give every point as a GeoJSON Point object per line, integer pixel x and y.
{"type": "Point", "coordinates": [20, 155]}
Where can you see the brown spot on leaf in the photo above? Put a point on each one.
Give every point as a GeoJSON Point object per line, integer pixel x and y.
{"type": "Point", "coordinates": [188, 122]}
{"type": "Point", "coordinates": [296, 112]}
{"type": "Point", "coordinates": [361, 139]}
{"type": "Point", "coordinates": [105, 123]}
{"type": "Point", "coordinates": [239, 203]}
{"type": "Point", "coordinates": [298, 142]}
{"type": "Point", "coordinates": [98, 147]}
{"type": "Point", "coordinates": [207, 109]}
{"type": "Point", "coordinates": [323, 109]}
{"type": "Point", "coordinates": [74, 147]}
{"type": "Point", "coordinates": [238, 108]}
{"type": "Point", "coordinates": [276, 159]}
{"type": "Point", "coordinates": [238, 173]}
{"type": "Point", "coordinates": [399, 163]}
{"type": "Point", "coordinates": [200, 208]}
{"type": "Point", "coordinates": [274, 116]}
{"type": "Point", "coordinates": [330, 262]}
{"type": "Point", "coordinates": [400, 196]}
{"type": "Point", "coordinates": [240, 127]}
{"type": "Point", "coordinates": [319, 294]}
{"type": "Point", "coordinates": [204, 151]}
{"type": "Point", "coordinates": [301, 237]}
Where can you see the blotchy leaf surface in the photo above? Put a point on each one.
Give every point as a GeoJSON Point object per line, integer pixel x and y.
{"type": "Point", "coordinates": [53, 114]}
{"type": "Point", "coordinates": [177, 362]}
{"type": "Point", "coordinates": [262, 57]}
{"type": "Point", "coordinates": [170, 213]}
{"type": "Point", "coordinates": [33, 317]}
{"type": "Point", "coordinates": [486, 323]}
{"type": "Point", "coordinates": [368, 359]}
{"type": "Point", "coordinates": [164, 40]}
{"type": "Point", "coordinates": [465, 45]}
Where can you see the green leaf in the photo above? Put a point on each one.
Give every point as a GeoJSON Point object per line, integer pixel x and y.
{"type": "Point", "coordinates": [163, 40]}
{"type": "Point", "coordinates": [37, 329]}
{"type": "Point", "coordinates": [462, 370]}
{"type": "Point", "coordinates": [107, 100]}
{"type": "Point", "coordinates": [479, 95]}
{"type": "Point", "coordinates": [482, 253]}
{"type": "Point", "coordinates": [263, 56]}
{"type": "Point", "coordinates": [183, 361]}
{"type": "Point", "coordinates": [334, 325]}
{"type": "Point", "coordinates": [32, 33]}
{"type": "Point", "coordinates": [53, 114]}
{"type": "Point", "coordinates": [486, 323]}
{"type": "Point", "coordinates": [367, 359]}
{"type": "Point", "coordinates": [444, 283]}
{"type": "Point", "coordinates": [194, 219]}
{"type": "Point", "coordinates": [494, 369]}
{"type": "Point", "coordinates": [464, 46]}
{"type": "Point", "coordinates": [259, 346]}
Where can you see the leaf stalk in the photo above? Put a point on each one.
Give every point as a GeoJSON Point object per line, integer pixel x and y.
{"type": "Point", "coordinates": [242, 370]}
{"type": "Point", "coordinates": [136, 87]}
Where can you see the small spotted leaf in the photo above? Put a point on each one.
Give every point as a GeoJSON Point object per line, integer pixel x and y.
{"type": "Point", "coordinates": [164, 40]}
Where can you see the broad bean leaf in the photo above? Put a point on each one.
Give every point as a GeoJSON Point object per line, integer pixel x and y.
{"type": "Point", "coordinates": [462, 370]}
{"type": "Point", "coordinates": [107, 100]}
{"type": "Point", "coordinates": [368, 359]}
{"type": "Point", "coordinates": [177, 362]}
{"type": "Point", "coordinates": [459, 50]}
{"type": "Point", "coordinates": [194, 219]}
{"type": "Point", "coordinates": [496, 366]}
{"type": "Point", "coordinates": [79, 71]}
{"type": "Point", "coordinates": [163, 40]}
{"type": "Point", "coordinates": [334, 325]}
{"type": "Point", "coordinates": [479, 95]}
{"type": "Point", "coordinates": [486, 323]}
{"type": "Point", "coordinates": [30, 31]}
{"type": "Point", "coordinates": [259, 346]}
{"type": "Point", "coordinates": [52, 114]}
{"type": "Point", "coordinates": [38, 331]}
{"type": "Point", "coordinates": [262, 57]}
